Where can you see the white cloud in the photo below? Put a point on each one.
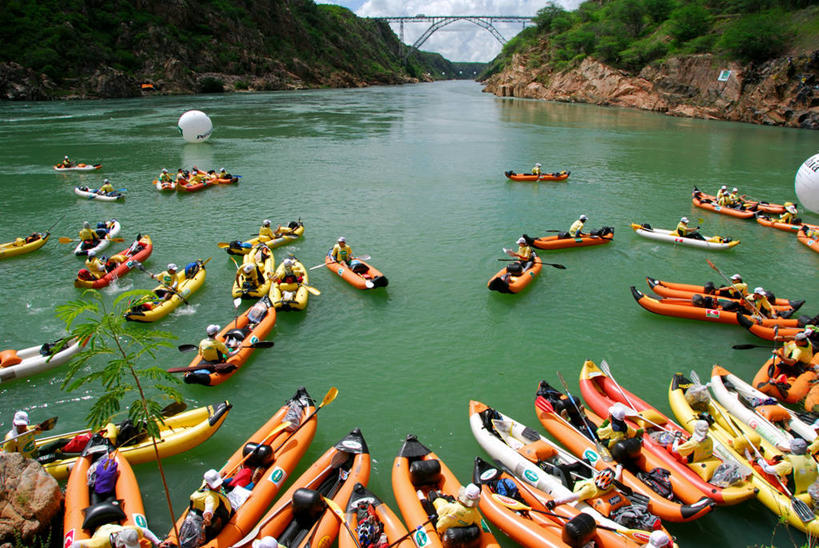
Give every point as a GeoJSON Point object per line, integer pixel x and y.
{"type": "Point", "coordinates": [461, 41]}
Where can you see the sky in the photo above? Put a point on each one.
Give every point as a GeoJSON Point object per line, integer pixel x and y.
{"type": "Point", "coordinates": [461, 41]}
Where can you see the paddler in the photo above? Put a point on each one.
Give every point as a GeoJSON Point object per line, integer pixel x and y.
{"type": "Point", "coordinates": [165, 177]}
{"type": "Point", "coordinates": [789, 217]}
{"type": "Point", "coordinates": [737, 290]}
{"type": "Point", "coordinates": [462, 512]}
{"type": "Point", "coordinates": [797, 468]}
{"type": "Point", "coordinates": [168, 278]}
{"type": "Point", "coordinates": [341, 252]}
{"type": "Point", "coordinates": [212, 349]}
{"type": "Point", "coordinates": [106, 187]}
{"type": "Point", "coordinates": [698, 447]}
{"type": "Point", "coordinates": [723, 190]}
{"type": "Point", "coordinates": [250, 274]}
{"type": "Point", "coordinates": [576, 230]}
{"type": "Point", "coordinates": [23, 443]}
{"type": "Point", "coordinates": [536, 170]}
{"type": "Point", "coordinates": [797, 354]}
{"type": "Point", "coordinates": [94, 265]}
{"type": "Point", "coordinates": [686, 232]}
{"type": "Point", "coordinates": [114, 535]}
{"type": "Point", "coordinates": [623, 441]}
{"type": "Point", "coordinates": [211, 503]}
{"type": "Point", "coordinates": [289, 272]}
{"type": "Point", "coordinates": [810, 232]}
{"type": "Point", "coordinates": [88, 235]}
{"type": "Point", "coordinates": [265, 232]}
{"type": "Point", "coordinates": [525, 253]}
{"type": "Point", "coordinates": [66, 162]}
{"type": "Point", "coordinates": [761, 303]}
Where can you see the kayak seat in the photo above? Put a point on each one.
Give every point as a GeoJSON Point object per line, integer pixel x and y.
{"type": "Point", "coordinates": [109, 511]}
{"type": "Point", "coordinates": [425, 472]}
{"type": "Point", "coordinates": [579, 530]}
{"type": "Point", "coordinates": [308, 505]}
{"type": "Point", "coordinates": [462, 537]}
{"type": "Point", "coordinates": [9, 358]}
{"type": "Point", "coordinates": [261, 455]}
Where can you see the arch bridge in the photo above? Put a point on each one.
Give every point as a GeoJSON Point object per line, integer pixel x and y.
{"type": "Point", "coordinates": [438, 22]}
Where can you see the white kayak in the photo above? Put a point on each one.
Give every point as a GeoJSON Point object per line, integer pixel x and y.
{"type": "Point", "coordinates": [79, 167]}
{"type": "Point", "coordinates": [756, 409]}
{"type": "Point", "coordinates": [112, 229]}
{"type": "Point", "coordinates": [16, 364]}
{"type": "Point", "coordinates": [713, 242]}
{"type": "Point", "coordinates": [93, 194]}
{"type": "Point", "coordinates": [513, 436]}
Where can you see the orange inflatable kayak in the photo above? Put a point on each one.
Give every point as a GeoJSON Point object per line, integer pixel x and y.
{"type": "Point", "coordinates": [703, 202]}
{"type": "Point", "coordinates": [768, 333]}
{"type": "Point", "coordinates": [684, 308]}
{"type": "Point", "coordinates": [556, 242]}
{"type": "Point", "coordinates": [812, 243]}
{"type": "Point", "coordinates": [300, 518]}
{"type": "Point", "coordinates": [782, 384]}
{"type": "Point", "coordinates": [416, 468]}
{"type": "Point", "coordinates": [531, 178]}
{"type": "Point", "coordinates": [241, 334]}
{"type": "Point", "coordinates": [787, 227]}
{"type": "Point", "coordinates": [516, 279]}
{"type": "Point", "coordinates": [275, 465]}
{"type": "Point", "coordinates": [751, 205]}
{"type": "Point", "coordinates": [364, 503]}
{"type": "Point", "coordinates": [581, 446]}
{"type": "Point", "coordinates": [82, 517]}
{"type": "Point", "coordinates": [685, 291]}
{"type": "Point", "coordinates": [359, 274]}
{"type": "Point", "coordinates": [600, 392]}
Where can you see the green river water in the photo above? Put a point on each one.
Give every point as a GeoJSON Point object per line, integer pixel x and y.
{"type": "Point", "coordinates": [412, 176]}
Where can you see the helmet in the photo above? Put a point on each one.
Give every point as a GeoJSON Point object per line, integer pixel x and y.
{"type": "Point", "coordinates": [266, 222]}
{"type": "Point", "coordinates": [247, 268]}
{"type": "Point", "coordinates": [265, 542]}
{"type": "Point", "coordinates": [736, 277]}
{"type": "Point", "coordinates": [66, 157]}
{"type": "Point", "coordinates": [212, 329]}
{"type": "Point", "coordinates": [164, 170]}
{"type": "Point", "coordinates": [604, 478]}
{"type": "Point", "coordinates": [684, 220]}
{"type": "Point", "coordinates": [723, 187]}
{"type": "Point", "coordinates": [799, 446]}
{"type": "Point", "coordinates": [521, 241]}
{"type": "Point", "coordinates": [658, 539]}
{"type": "Point", "coordinates": [342, 239]}
{"type": "Point", "coordinates": [701, 429]}
{"type": "Point", "coordinates": [172, 266]}
{"type": "Point", "coordinates": [538, 164]}
{"type": "Point", "coordinates": [20, 418]}
{"type": "Point", "coordinates": [618, 411]}
{"type": "Point", "coordinates": [85, 224]}
{"type": "Point", "coordinates": [759, 291]}
{"type": "Point", "coordinates": [735, 189]}
{"type": "Point", "coordinates": [106, 181]}
{"type": "Point", "coordinates": [470, 495]}
{"type": "Point", "coordinates": [127, 538]}
{"type": "Point", "coordinates": [584, 218]}
{"type": "Point", "coordinates": [212, 478]}
{"type": "Point", "coordinates": [289, 262]}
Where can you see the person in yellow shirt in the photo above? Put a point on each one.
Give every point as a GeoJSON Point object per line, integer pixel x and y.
{"type": "Point", "coordinates": [113, 535]}
{"type": "Point", "coordinates": [212, 504]}
{"type": "Point", "coordinates": [687, 232]}
{"type": "Point", "coordinates": [265, 232]}
{"type": "Point", "coordinates": [762, 304]}
{"type": "Point", "coordinates": [165, 177]}
{"type": "Point", "coordinates": [66, 162]}
{"type": "Point", "coordinates": [289, 272]}
{"type": "Point", "coordinates": [601, 484]}
{"type": "Point", "coordinates": [23, 441]}
{"type": "Point", "coordinates": [619, 437]}
{"type": "Point", "coordinates": [524, 253]}
{"type": "Point", "coordinates": [212, 349]}
{"type": "Point", "coordinates": [576, 230]}
{"type": "Point", "coordinates": [698, 447]}
{"type": "Point", "coordinates": [726, 200]}
{"type": "Point", "coordinates": [106, 187]}
{"type": "Point", "coordinates": [341, 252]}
{"type": "Point", "coordinates": [797, 468]}
{"type": "Point", "coordinates": [723, 191]}
{"type": "Point", "coordinates": [249, 275]}
{"type": "Point", "coordinates": [94, 265]}
{"type": "Point", "coordinates": [737, 290]}
{"type": "Point", "coordinates": [462, 512]}
{"type": "Point", "coordinates": [789, 217]}
{"type": "Point", "coordinates": [536, 170]}
{"type": "Point", "coordinates": [797, 354]}
{"type": "Point", "coordinates": [170, 279]}
{"type": "Point", "coordinates": [88, 235]}
{"type": "Point", "coordinates": [810, 232]}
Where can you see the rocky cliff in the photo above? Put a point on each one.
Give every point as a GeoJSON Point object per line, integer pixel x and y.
{"type": "Point", "coordinates": [783, 92]}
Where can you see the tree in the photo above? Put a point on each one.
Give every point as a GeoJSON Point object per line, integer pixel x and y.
{"type": "Point", "coordinates": [689, 21]}
{"type": "Point", "coordinates": [123, 345]}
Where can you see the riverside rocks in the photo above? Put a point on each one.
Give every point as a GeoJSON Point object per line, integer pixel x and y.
{"type": "Point", "coordinates": [29, 498]}
{"type": "Point", "coordinates": [782, 92]}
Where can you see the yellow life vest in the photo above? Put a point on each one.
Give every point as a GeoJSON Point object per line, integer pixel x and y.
{"type": "Point", "coordinates": [210, 349]}
{"type": "Point", "coordinates": [804, 472]}
{"type": "Point", "coordinates": [87, 234]}
{"type": "Point", "coordinates": [265, 234]}
{"type": "Point", "coordinates": [575, 229]}
{"type": "Point", "coordinates": [342, 255]}
{"type": "Point", "coordinates": [23, 444]}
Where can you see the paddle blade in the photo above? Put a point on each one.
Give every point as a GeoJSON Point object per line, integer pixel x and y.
{"type": "Point", "coordinates": [329, 396]}
{"type": "Point", "coordinates": [263, 344]}
{"type": "Point", "coordinates": [331, 504]}
{"type": "Point", "coordinates": [802, 510]}
{"type": "Point", "coordinates": [315, 267]}
{"type": "Point", "coordinates": [746, 346]}
{"type": "Point", "coordinates": [236, 302]}
{"type": "Point", "coordinates": [694, 377]}
{"type": "Point", "coordinates": [511, 503]}
{"type": "Point", "coordinates": [312, 290]}
{"type": "Point", "coordinates": [47, 424]}
{"type": "Point", "coordinates": [223, 245]}
{"type": "Point", "coordinates": [557, 266]}
{"type": "Point", "coordinates": [65, 240]}
{"type": "Point", "coordinates": [604, 367]}
{"type": "Point", "coordinates": [368, 284]}
{"type": "Point", "coordinates": [187, 347]}
{"type": "Point", "coordinates": [509, 252]}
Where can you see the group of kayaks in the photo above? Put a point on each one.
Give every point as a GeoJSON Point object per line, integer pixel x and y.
{"type": "Point", "coordinates": [194, 181]}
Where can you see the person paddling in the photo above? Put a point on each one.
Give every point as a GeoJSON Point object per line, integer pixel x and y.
{"type": "Point", "coordinates": [106, 187]}
{"type": "Point", "coordinates": [537, 169]}
{"type": "Point", "coordinates": [341, 252]}
{"type": "Point", "coordinates": [687, 232]}
{"type": "Point", "coordinates": [212, 349]}
{"type": "Point", "coordinates": [24, 440]}
{"type": "Point", "coordinates": [576, 230]}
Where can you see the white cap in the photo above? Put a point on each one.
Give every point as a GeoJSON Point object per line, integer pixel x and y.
{"type": "Point", "coordinates": [20, 419]}
{"type": "Point", "coordinates": [127, 538]}
{"type": "Point", "coordinates": [266, 222]}
{"type": "Point", "coordinates": [212, 329]}
{"type": "Point", "coordinates": [212, 477]}
{"type": "Point", "coordinates": [735, 189]}
{"type": "Point", "coordinates": [469, 495]}
{"type": "Point", "coordinates": [736, 277]}
{"type": "Point", "coordinates": [723, 187]}
{"type": "Point", "coordinates": [538, 164]}
{"type": "Point", "coordinates": [791, 209]}
{"type": "Point", "coordinates": [248, 268]}
{"type": "Point", "coordinates": [265, 542]}
{"type": "Point", "coordinates": [92, 253]}
{"type": "Point", "coordinates": [172, 266]}
{"type": "Point", "coordinates": [759, 290]}
{"type": "Point", "coordinates": [618, 411]}
{"type": "Point", "coordinates": [66, 156]}
{"type": "Point", "coordinates": [106, 181]}
{"type": "Point", "coordinates": [801, 336]}
{"type": "Point", "coordinates": [164, 170]}
{"type": "Point", "coordinates": [584, 218]}
{"type": "Point", "coordinates": [342, 239]}
{"type": "Point", "coordinates": [289, 262]}
{"type": "Point", "coordinates": [700, 429]}
{"type": "Point", "coordinates": [658, 539]}
{"type": "Point", "coordinates": [222, 169]}
{"type": "Point", "coordinates": [521, 240]}
{"type": "Point", "coordinates": [86, 224]}
{"type": "Point", "coordinates": [684, 219]}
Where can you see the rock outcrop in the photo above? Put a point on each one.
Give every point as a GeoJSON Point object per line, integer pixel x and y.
{"type": "Point", "coordinates": [29, 498]}
{"type": "Point", "coordinates": [781, 92]}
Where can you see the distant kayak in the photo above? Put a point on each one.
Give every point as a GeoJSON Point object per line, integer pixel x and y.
{"type": "Point", "coordinates": [531, 178]}
{"type": "Point", "coordinates": [664, 235]}
{"type": "Point", "coordinates": [78, 167]}
{"type": "Point", "coordinates": [94, 194]}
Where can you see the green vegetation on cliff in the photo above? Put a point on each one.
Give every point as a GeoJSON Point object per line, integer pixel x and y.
{"type": "Point", "coordinates": [630, 34]}
{"type": "Point", "coordinates": [280, 43]}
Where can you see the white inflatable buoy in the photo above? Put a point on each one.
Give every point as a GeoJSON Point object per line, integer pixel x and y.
{"type": "Point", "coordinates": [195, 126]}
{"type": "Point", "coordinates": [806, 183]}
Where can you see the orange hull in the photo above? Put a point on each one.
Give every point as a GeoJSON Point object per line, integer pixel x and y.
{"type": "Point", "coordinates": [554, 242]}
{"type": "Point", "coordinates": [798, 385]}
{"type": "Point", "coordinates": [515, 284]}
{"type": "Point", "coordinates": [721, 209]}
{"type": "Point", "coordinates": [812, 243]}
{"type": "Point", "coordinates": [373, 275]}
{"type": "Point", "coordinates": [393, 527]}
{"type": "Point", "coordinates": [531, 178]}
{"type": "Point", "coordinates": [685, 291]}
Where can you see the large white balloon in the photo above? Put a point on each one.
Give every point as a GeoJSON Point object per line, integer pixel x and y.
{"type": "Point", "coordinates": [806, 183]}
{"type": "Point", "coordinates": [195, 126]}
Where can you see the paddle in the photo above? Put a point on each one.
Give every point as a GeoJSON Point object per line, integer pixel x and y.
{"type": "Point", "coordinates": [65, 240]}
{"type": "Point", "coordinates": [800, 508]}
{"type": "Point", "coordinates": [48, 231]}
{"type": "Point", "coordinates": [604, 452]}
{"type": "Point", "coordinates": [169, 288]}
{"type": "Point", "coordinates": [47, 424]}
{"type": "Point", "coordinates": [558, 266]}
{"type": "Point", "coordinates": [747, 346]}
{"type": "Point", "coordinates": [259, 344]}
{"type": "Point", "coordinates": [312, 290]}
{"type": "Point", "coordinates": [361, 258]}
{"type": "Point", "coordinates": [328, 398]}
{"type": "Point", "coordinates": [279, 428]}
{"type": "Point", "coordinates": [604, 367]}
{"type": "Point", "coordinates": [210, 367]}
{"type": "Point", "coordinates": [744, 298]}
{"type": "Point", "coordinates": [331, 504]}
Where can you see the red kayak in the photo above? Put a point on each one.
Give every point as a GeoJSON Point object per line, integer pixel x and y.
{"type": "Point", "coordinates": [125, 260]}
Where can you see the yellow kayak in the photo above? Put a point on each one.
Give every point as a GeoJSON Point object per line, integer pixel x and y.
{"type": "Point", "coordinates": [727, 435]}
{"type": "Point", "coordinates": [261, 257]}
{"type": "Point", "coordinates": [291, 294]}
{"type": "Point", "coordinates": [28, 244]}
{"type": "Point", "coordinates": [179, 433]}
{"type": "Point", "coordinates": [159, 307]}
{"type": "Point", "coordinates": [238, 247]}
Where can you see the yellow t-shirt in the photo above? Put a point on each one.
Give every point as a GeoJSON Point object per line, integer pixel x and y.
{"type": "Point", "coordinates": [802, 354]}
{"type": "Point", "coordinates": [265, 234]}
{"type": "Point", "coordinates": [210, 349]}
{"type": "Point", "coordinates": [576, 228]}
{"type": "Point", "coordinates": [341, 254]}
{"type": "Point", "coordinates": [700, 450]}
{"type": "Point", "coordinates": [454, 514]}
